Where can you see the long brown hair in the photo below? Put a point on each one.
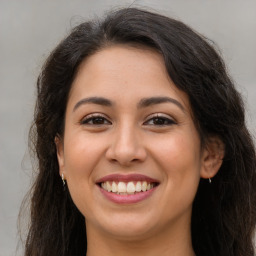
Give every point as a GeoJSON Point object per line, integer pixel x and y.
{"type": "Point", "coordinates": [224, 212]}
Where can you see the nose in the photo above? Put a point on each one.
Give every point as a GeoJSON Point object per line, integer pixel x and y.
{"type": "Point", "coordinates": [126, 147]}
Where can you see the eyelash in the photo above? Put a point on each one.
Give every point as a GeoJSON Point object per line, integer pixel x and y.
{"type": "Point", "coordinates": [164, 121]}
{"type": "Point", "coordinates": [88, 120]}
{"type": "Point", "coordinates": [102, 120]}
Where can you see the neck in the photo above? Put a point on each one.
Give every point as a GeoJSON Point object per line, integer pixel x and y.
{"type": "Point", "coordinates": [175, 243]}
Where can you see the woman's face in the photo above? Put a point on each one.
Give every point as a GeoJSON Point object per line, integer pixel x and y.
{"type": "Point", "coordinates": [130, 153]}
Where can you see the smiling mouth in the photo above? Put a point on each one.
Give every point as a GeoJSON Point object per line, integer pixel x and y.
{"type": "Point", "coordinates": [127, 188]}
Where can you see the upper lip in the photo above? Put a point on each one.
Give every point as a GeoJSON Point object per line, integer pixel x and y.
{"type": "Point", "coordinates": [126, 178]}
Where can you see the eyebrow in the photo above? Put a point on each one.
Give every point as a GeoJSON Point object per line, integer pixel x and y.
{"type": "Point", "coordinates": [143, 103]}
{"type": "Point", "coordinates": [93, 100]}
{"type": "Point", "coordinates": [146, 102]}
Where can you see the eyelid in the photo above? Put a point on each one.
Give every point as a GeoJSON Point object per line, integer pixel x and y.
{"type": "Point", "coordinates": [94, 115]}
{"type": "Point", "coordinates": [160, 115]}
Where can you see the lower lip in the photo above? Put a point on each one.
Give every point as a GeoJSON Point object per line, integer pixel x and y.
{"type": "Point", "coordinates": [127, 199]}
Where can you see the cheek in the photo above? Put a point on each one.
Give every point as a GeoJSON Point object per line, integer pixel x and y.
{"type": "Point", "coordinates": [179, 157]}
{"type": "Point", "coordinates": [178, 152]}
{"type": "Point", "coordinates": [81, 155]}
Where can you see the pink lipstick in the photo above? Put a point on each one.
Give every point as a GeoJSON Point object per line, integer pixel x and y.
{"type": "Point", "coordinates": [127, 189]}
{"type": "Point", "coordinates": [126, 178]}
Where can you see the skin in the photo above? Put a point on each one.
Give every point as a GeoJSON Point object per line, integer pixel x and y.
{"type": "Point", "coordinates": [128, 140]}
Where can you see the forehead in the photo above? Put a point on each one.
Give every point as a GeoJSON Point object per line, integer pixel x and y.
{"type": "Point", "coordinates": [118, 71]}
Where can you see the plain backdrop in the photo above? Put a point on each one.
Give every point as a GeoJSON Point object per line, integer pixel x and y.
{"type": "Point", "coordinates": [29, 29]}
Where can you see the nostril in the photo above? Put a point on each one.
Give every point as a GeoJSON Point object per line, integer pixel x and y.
{"type": "Point", "coordinates": [126, 149]}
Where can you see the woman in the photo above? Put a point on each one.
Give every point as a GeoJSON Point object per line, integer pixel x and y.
{"type": "Point", "coordinates": [141, 143]}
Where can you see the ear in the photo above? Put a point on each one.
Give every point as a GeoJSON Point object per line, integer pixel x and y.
{"type": "Point", "coordinates": [60, 154]}
{"type": "Point", "coordinates": [212, 157]}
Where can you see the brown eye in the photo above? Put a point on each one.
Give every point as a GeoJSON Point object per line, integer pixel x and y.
{"type": "Point", "coordinates": [95, 120]}
{"type": "Point", "coordinates": [160, 121]}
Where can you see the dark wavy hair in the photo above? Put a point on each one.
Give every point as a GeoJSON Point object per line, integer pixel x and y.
{"type": "Point", "coordinates": [224, 212]}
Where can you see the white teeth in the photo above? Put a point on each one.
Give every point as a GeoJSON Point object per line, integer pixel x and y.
{"type": "Point", "coordinates": [114, 187]}
{"type": "Point", "coordinates": [138, 186]}
{"type": "Point", "coordinates": [123, 188]}
{"type": "Point", "coordinates": [144, 186]}
{"type": "Point", "coordinates": [109, 187]}
{"type": "Point", "coordinates": [130, 187]}
{"type": "Point", "coordinates": [104, 185]}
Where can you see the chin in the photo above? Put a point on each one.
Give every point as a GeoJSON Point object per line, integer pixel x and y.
{"type": "Point", "coordinates": [127, 227]}
{"type": "Point", "coordinates": [130, 233]}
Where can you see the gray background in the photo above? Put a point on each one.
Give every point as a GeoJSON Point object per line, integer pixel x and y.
{"type": "Point", "coordinates": [30, 29]}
